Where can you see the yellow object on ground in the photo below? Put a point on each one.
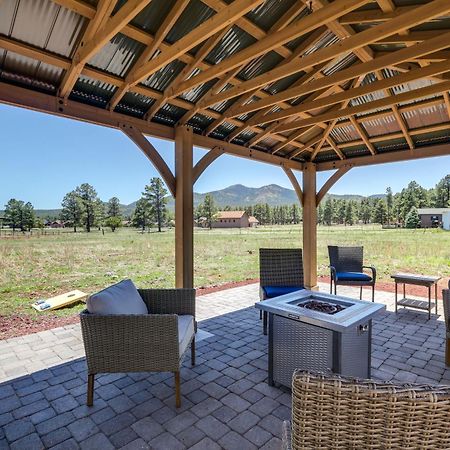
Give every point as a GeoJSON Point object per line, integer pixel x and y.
{"type": "Point", "coordinates": [59, 301]}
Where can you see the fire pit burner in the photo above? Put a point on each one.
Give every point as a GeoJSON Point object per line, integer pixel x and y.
{"type": "Point", "coordinates": [323, 307]}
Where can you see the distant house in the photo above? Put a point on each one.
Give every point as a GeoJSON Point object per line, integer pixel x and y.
{"type": "Point", "coordinates": [432, 217]}
{"type": "Point", "coordinates": [231, 219]}
{"type": "Point", "coordinates": [253, 221]}
{"type": "Point", "coordinates": [55, 224]}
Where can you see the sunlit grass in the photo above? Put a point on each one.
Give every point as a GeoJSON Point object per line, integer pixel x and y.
{"type": "Point", "coordinates": [48, 265]}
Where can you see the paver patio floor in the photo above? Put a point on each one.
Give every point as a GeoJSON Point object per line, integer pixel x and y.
{"type": "Point", "coordinates": [226, 402]}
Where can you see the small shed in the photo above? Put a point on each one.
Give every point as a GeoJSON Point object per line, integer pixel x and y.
{"type": "Point", "coordinates": [432, 217]}
{"type": "Point", "coordinates": [253, 221]}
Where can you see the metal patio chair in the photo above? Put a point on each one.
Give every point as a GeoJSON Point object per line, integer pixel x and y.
{"type": "Point", "coordinates": [280, 272]}
{"type": "Point", "coordinates": [333, 412]}
{"type": "Point", "coordinates": [446, 301]}
{"type": "Point", "coordinates": [346, 269]}
{"type": "Point", "coordinates": [141, 343]}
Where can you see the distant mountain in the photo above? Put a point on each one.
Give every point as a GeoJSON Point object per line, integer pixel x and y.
{"type": "Point", "coordinates": [235, 195]}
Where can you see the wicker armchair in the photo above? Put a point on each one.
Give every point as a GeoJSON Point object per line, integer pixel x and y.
{"type": "Point", "coordinates": [346, 269]}
{"type": "Point", "coordinates": [280, 272]}
{"type": "Point", "coordinates": [140, 343]}
{"type": "Point", "coordinates": [333, 412]}
{"type": "Point", "coordinates": [446, 301]}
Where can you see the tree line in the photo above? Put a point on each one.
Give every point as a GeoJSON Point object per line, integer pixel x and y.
{"type": "Point", "coordinates": [83, 208]}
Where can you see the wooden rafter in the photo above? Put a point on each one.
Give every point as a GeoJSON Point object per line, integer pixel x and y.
{"type": "Point", "coordinates": [218, 22]}
{"type": "Point", "coordinates": [407, 20]}
{"type": "Point", "coordinates": [295, 184]}
{"type": "Point", "coordinates": [363, 133]}
{"type": "Point", "coordinates": [205, 161]}
{"type": "Point", "coordinates": [383, 158]}
{"type": "Point", "coordinates": [104, 10]}
{"type": "Point", "coordinates": [381, 103]}
{"type": "Point", "coordinates": [381, 84]}
{"type": "Point", "coordinates": [273, 41]}
{"type": "Point", "coordinates": [344, 75]}
{"type": "Point", "coordinates": [149, 52]}
{"type": "Point", "coordinates": [100, 37]}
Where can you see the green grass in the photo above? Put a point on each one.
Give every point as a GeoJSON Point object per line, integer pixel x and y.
{"type": "Point", "coordinates": [31, 268]}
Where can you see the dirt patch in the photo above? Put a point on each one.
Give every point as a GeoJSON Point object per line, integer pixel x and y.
{"type": "Point", "coordinates": [22, 324]}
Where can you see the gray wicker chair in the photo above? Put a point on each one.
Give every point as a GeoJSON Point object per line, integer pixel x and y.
{"type": "Point", "coordinates": [280, 272]}
{"type": "Point", "coordinates": [140, 343]}
{"type": "Point", "coordinates": [346, 269]}
{"type": "Point", "coordinates": [446, 301]}
{"type": "Point", "coordinates": [333, 412]}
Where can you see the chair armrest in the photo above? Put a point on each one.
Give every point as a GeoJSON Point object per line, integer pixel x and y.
{"type": "Point", "coordinates": [169, 301]}
{"type": "Point", "coordinates": [130, 343]}
{"type": "Point", "coordinates": [333, 272]}
{"type": "Point", "coordinates": [374, 272]}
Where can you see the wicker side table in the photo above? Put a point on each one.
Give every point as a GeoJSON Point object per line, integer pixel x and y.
{"type": "Point", "coordinates": [418, 280]}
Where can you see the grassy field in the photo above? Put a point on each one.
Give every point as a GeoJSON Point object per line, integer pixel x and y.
{"type": "Point", "coordinates": [31, 268]}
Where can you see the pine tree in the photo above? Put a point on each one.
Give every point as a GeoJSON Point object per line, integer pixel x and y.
{"type": "Point", "coordinates": [208, 210]}
{"type": "Point", "coordinates": [389, 204]}
{"type": "Point", "coordinates": [71, 210]}
{"type": "Point", "coordinates": [412, 219]}
{"type": "Point", "coordinates": [114, 214]}
{"type": "Point", "coordinates": [89, 203]}
{"type": "Point", "coordinates": [156, 196]}
{"type": "Point", "coordinates": [142, 214]}
{"type": "Point", "coordinates": [13, 213]}
{"type": "Point", "coordinates": [28, 216]}
{"type": "Point", "coordinates": [328, 212]}
{"type": "Point", "coordinates": [441, 194]}
{"type": "Point", "coordinates": [295, 214]}
{"type": "Point", "coordinates": [349, 214]}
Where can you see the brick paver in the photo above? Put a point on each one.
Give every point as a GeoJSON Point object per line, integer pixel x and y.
{"type": "Point", "coordinates": [226, 402]}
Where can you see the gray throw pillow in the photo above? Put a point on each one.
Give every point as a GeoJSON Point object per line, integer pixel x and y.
{"type": "Point", "coordinates": [120, 298]}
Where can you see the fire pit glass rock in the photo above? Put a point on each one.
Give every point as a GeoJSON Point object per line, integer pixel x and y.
{"type": "Point", "coordinates": [323, 307]}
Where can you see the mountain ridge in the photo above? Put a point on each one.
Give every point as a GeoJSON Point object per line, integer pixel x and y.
{"type": "Point", "coordinates": [234, 195]}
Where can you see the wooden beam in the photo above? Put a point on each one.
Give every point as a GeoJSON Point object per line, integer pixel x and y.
{"type": "Point", "coordinates": [387, 157]}
{"type": "Point", "coordinates": [199, 34]}
{"type": "Point", "coordinates": [362, 132]}
{"type": "Point", "coordinates": [295, 184]}
{"type": "Point", "coordinates": [97, 38]}
{"type": "Point", "coordinates": [331, 182]}
{"type": "Point", "coordinates": [149, 52]}
{"type": "Point", "coordinates": [355, 92]}
{"type": "Point", "coordinates": [336, 149]}
{"type": "Point", "coordinates": [447, 103]}
{"type": "Point", "coordinates": [184, 209]}
{"type": "Point", "coordinates": [104, 10]}
{"type": "Point", "coordinates": [274, 40]}
{"type": "Point", "coordinates": [415, 94]}
{"type": "Point", "coordinates": [346, 74]}
{"type": "Point", "coordinates": [373, 16]}
{"type": "Point", "coordinates": [410, 19]}
{"type": "Point", "coordinates": [37, 101]}
{"type": "Point", "coordinates": [113, 26]}
{"type": "Point", "coordinates": [205, 161]}
{"type": "Point", "coordinates": [203, 51]}
{"type": "Point", "coordinates": [309, 226]}
{"type": "Point", "coordinates": [152, 154]}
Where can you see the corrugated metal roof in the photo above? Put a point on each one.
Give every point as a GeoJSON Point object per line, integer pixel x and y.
{"type": "Point", "coordinates": [57, 30]}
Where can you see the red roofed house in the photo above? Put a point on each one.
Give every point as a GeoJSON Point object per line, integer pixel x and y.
{"type": "Point", "coordinates": [231, 219]}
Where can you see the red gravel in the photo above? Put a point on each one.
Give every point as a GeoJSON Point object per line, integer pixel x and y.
{"type": "Point", "coordinates": [22, 324]}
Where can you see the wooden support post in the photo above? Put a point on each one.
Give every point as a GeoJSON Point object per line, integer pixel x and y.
{"type": "Point", "coordinates": [184, 209]}
{"type": "Point", "coordinates": [309, 226]}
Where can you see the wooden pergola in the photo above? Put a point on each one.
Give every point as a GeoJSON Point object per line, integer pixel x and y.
{"type": "Point", "coordinates": [305, 85]}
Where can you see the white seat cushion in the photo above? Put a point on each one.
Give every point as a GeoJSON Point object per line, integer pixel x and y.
{"type": "Point", "coordinates": [120, 298]}
{"type": "Point", "coordinates": [185, 332]}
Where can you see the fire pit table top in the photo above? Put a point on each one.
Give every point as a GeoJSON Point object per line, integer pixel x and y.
{"type": "Point", "coordinates": [323, 310]}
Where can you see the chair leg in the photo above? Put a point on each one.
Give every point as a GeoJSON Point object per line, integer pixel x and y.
{"type": "Point", "coordinates": [331, 286]}
{"type": "Point", "coordinates": [447, 352]}
{"type": "Point", "coordinates": [90, 389]}
{"type": "Point", "coordinates": [265, 322]}
{"type": "Point", "coordinates": [335, 288]}
{"type": "Point", "coordinates": [360, 292]}
{"type": "Point", "coordinates": [177, 389]}
{"type": "Point", "coordinates": [260, 314]}
{"type": "Point", "coordinates": [193, 352]}
{"type": "Point", "coordinates": [373, 293]}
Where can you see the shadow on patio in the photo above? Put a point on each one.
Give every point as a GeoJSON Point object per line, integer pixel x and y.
{"type": "Point", "coordinates": [226, 402]}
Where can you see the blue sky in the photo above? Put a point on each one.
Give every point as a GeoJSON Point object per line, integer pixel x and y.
{"type": "Point", "coordinates": [43, 160]}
